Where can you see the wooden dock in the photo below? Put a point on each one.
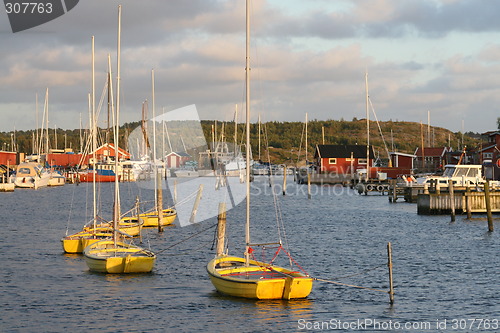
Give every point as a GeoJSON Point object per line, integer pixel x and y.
{"type": "Point", "coordinates": [464, 202]}
{"type": "Point", "coordinates": [324, 178]}
{"type": "Point", "coordinates": [408, 192]}
{"type": "Point", "coordinates": [7, 187]}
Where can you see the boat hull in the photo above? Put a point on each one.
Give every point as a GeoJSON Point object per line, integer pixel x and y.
{"type": "Point", "coordinates": [77, 242]}
{"type": "Point", "coordinates": [122, 258]}
{"type": "Point", "coordinates": [31, 175]}
{"type": "Point", "coordinates": [131, 226]}
{"type": "Point", "coordinates": [258, 281]}
{"type": "Point", "coordinates": [89, 178]}
{"type": "Point", "coordinates": [57, 181]}
{"type": "Point", "coordinates": [151, 219]}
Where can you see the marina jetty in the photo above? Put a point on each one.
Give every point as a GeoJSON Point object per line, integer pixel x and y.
{"type": "Point", "coordinates": [437, 200]}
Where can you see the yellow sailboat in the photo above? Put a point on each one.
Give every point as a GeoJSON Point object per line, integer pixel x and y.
{"type": "Point", "coordinates": [116, 256]}
{"type": "Point", "coordinates": [76, 242]}
{"type": "Point", "coordinates": [231, 276]}
{"type": "Point", "coordinates": [243, 277]}
{"type": "Point", "coordinates": [130, 225]}
{"type": "Point", "coordinates": [150, 219]}
{"type": "Point", "coordinates": [98, 229]}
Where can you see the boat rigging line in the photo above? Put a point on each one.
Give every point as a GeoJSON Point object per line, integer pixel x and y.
{"type": "Point", "coordinates": [188, 238]}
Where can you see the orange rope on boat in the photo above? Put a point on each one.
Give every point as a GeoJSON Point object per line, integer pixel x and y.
{"type": "Point", "coordinates": [296, 263]}
{"type": "Point", "coordinates": [280, 248]}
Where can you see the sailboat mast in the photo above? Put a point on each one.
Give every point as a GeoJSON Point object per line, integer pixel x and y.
{"type": "Point", "coordinates": [367, 129]}
{"type": "Point", "coordinates": [93, 133]}
{"type": "Point", "coordinates": [35, 149]}
{"type": "Point", "coordinates": [155, 167]}
{"type": "Point", "coordinates": [117, 126]}
{"type": "Point", "coordinates": [247, 148]}
{"type": "Point", "coordinates": [40, 139]}
{"type": "Point", "coordinates": [235, 128]}
{"type": "Point", "coordinates": [163, 137]}
{"type": "Point", "coordinates": [109, 108]}
{"type": "Point", "coordinates": [306, 140]}
{"type": "Point", "coordinates": [259, 137]}
{"type": "Point", "coordinates": [47, 121]}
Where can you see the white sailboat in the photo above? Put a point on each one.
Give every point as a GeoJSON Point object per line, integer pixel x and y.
{"type": "Point", "coordinates": [241, 276]}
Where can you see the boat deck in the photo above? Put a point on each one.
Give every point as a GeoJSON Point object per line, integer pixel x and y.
{"type": "Point", "coordinates": [120, 253]}
{"type": "Point", "coordinates": [258, 274]}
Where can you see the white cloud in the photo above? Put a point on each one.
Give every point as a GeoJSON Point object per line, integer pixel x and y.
{"type": "Point", "coordinates": [306, 57]}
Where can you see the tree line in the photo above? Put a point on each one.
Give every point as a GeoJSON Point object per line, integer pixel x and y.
{"type": "Point", "coordinates": [283, 141]}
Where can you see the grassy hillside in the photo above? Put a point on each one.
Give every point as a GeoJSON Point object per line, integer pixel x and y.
{"type": "Point", "coordinates": [286, 139]}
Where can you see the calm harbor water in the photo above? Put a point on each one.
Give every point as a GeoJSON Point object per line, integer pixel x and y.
{"type": "Point", "coordinates": [446, 274]}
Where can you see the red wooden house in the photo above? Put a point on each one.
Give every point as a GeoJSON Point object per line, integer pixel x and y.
{"type": "Point", "coordinates": [489, 155]}
{"type": "Point", "coordinates": [402, 160]}
{"type": "Point", "coordinates": [431, 159]}
{"type": "Point", "coordinates": [65, 159]}
{"type": "Point", "coordinates": [108, 150]}
{"type": "Point", "coordinates": [8, 158]}
{"type": "Point", "coordinates": [489, 151]}
{"type": "Point", "coordinates": [343, 159]}
{"type": "Point", "coordinates": [401, 164]}
{"type": "Point", "coordinates": [177, 159]}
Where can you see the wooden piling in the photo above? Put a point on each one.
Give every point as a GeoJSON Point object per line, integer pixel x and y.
{"type": "Point", "coordinates": [488, 205]}
{"type": "Point", "coordinates": [137, 212]}
{"type": "Point", "coordinates": [468, 203]}
{"type": "Point", "coordinates": [308, 185]}
{"type": "Point", "coordinates": [196, 204]}
{"type": "Point", "coordinates": [389, 265]}
{"type": "Point", "coordinates": [284, 180]}
{"type": "Point", "coordinates": [221, 228]}
{"type": "Point", "coordinates": [452, 200]}
{"type": "Point", "coordinates": [159, 203]}
{"type": "Point", "coordinates": [175, 191]}
{"type": "Point", "coordinates": [394, 190]}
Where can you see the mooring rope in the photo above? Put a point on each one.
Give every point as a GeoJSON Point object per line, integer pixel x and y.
{"type": "Point", "coordinates": [70, 210]}
{"type": "Point", "coordinates": [362, 272]}
{"type": "Point", "coordinates": [350, 285]}
{"type": "Point", "coordinates": [182, 241]}
{"type": "Point", "coordinates": [190, 251]}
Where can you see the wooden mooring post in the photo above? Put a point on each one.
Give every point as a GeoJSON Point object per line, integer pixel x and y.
{"type": "Point", "coordinates": [389, 265]}
{"type": "Point", "coordinates": [284, 180]}
{"type": "Point", "coordinates": [394, 190]}
{"type": "Point", "coordinates": [175, 191]}
{"type": "Point", "coordinates": [196, 204]}
{"type": "Point", "coordinates": [468, 207]}
{"type": "Point", "coordinates": [488, 205]}
{"type": "Point", "coordinates": [221, 228]}
{"type": "Point", "coordinates": [452, 200]}
{"type": "Point", "coordinates": [308, 185]}
{"type": "Point", "coordinates": [159, 202]}
{"type": "Point", "coordinates": [137, 211]}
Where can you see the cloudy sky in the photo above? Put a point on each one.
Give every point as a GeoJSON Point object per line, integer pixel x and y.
{"type": "Point", "coordinates": [437, 56]}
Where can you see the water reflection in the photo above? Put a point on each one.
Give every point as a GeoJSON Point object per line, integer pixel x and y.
{"type": "Point", "coordinates": [266, 311]}
{"type": "Point", "coordinates": [440, 270]}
